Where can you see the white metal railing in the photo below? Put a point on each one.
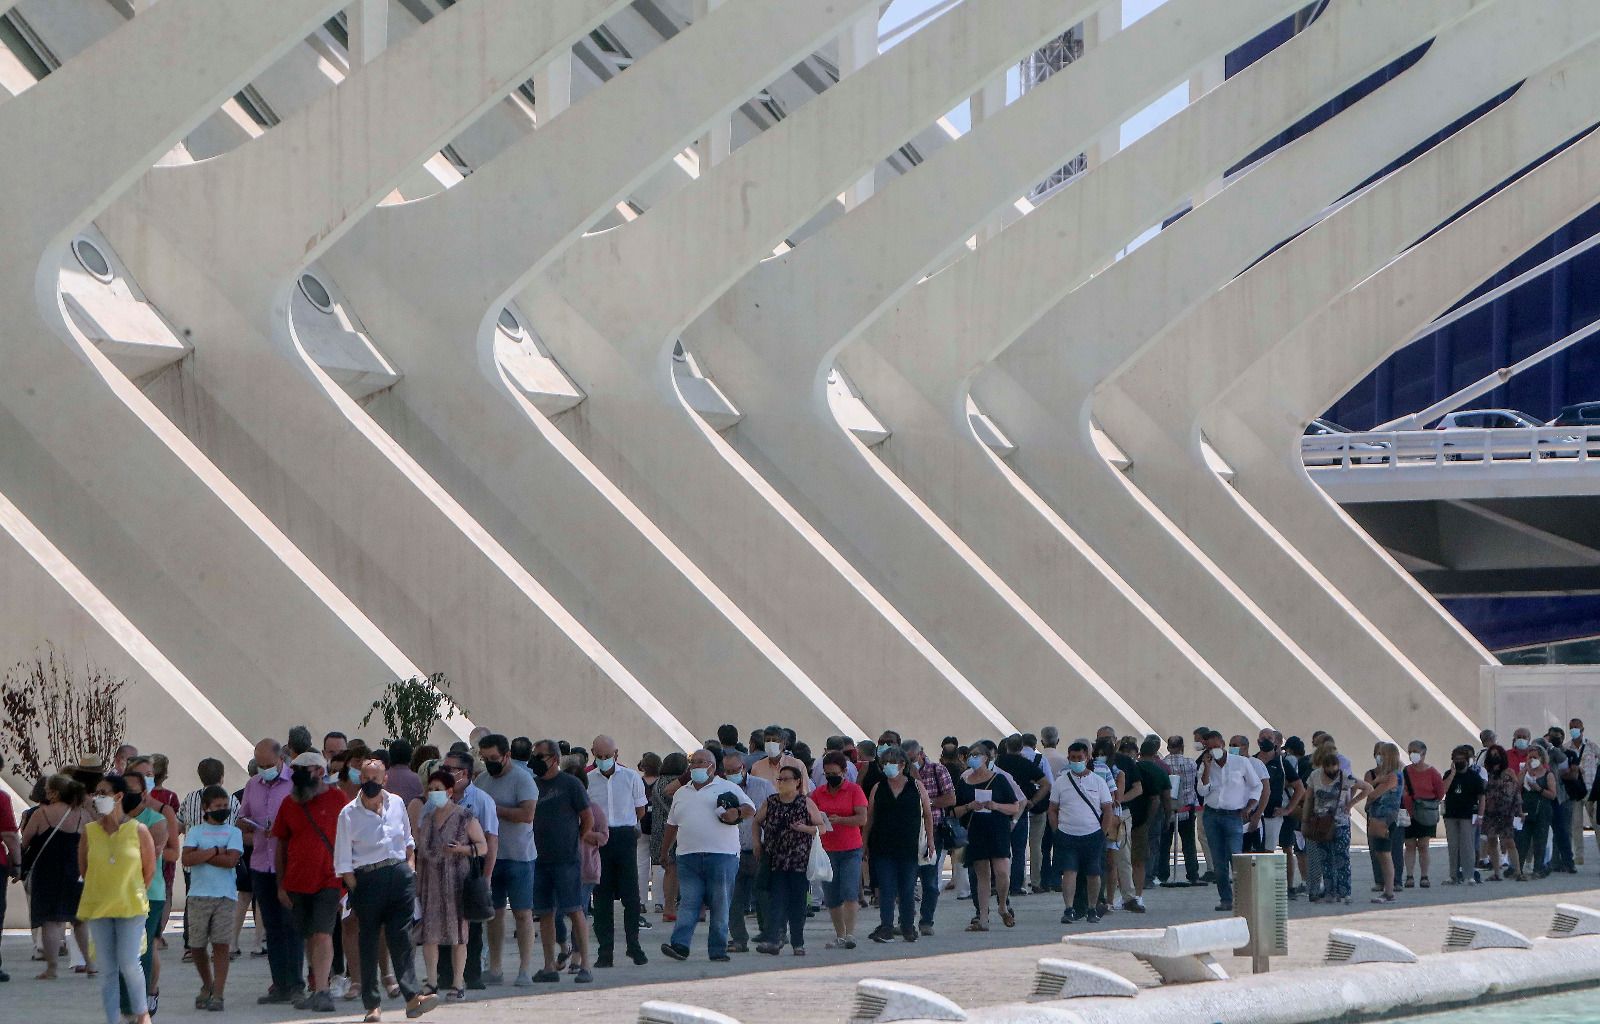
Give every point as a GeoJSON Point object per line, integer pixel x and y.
{"type": "Point", "coordinates": [1394, 449]}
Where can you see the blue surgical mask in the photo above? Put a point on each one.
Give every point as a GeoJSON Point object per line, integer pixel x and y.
{"type": "Point", "coordinates": [354, 775]}
{"type": "Point", "coordinates": [884, 748]}
{"type": "Point", "coordinates": [699, 776]}
{"type": "Point", "coordinates": [605, 764]}
{"type": "Point", "coordinates": [891, 771]}
{"type": "Point", "coordinates": [1101, 761]}
{"type": "Point", "coordinates": [1577, 734]}
{"type": "Point", "coordinates": [1233, 750]}
{"type": "Point", "coordinates": [737, 778]}
{"type": "Point", "coordinates": [1078, 767]}
{"type": "Point", "coordinates": [437, 797]}
{"type": "Point", "coordinates": [269, 774]}
{"type": "Point", "coordinates": [1520, 744]}
{"type": "Point", "coordinates": [149, 783]}
{"type": "Point", "coordinates": [975, 762]}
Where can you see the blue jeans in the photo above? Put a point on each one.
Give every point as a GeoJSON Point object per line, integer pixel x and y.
{"type": "Point", "coordinates": [116, 943]}
{"type": "Point", "coordinates": [1225, 833]}
{"type": "Point", "coordinates": [929, 876]}
{"type": "Point", "coordinates": [152, 928]}
{"type": "Point", "coordinates": [897, 883]}
{"type": "Point", "coordinates": [705, 878]}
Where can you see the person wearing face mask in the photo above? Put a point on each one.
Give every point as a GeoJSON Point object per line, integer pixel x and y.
{"type": "Point", "coordinates": [515, 795]}
{"type": "Point", "coordinates": [308, 887]}
{"type": "Point", "coordinates": [138, 804]}
{"type": "Point", "coordinates": [264, 794]}
{"type": "Point", "coordinates": [703, 827]}
{"type": "Point", "coordinates": [448, 836]}
{"type": "Point", "coordinates": [1502, 823]}
{"type": "Point", "coordinates": [775, 749]}
{"type": "Point", "coordinates": [784, 825]}
{"type": "Point", "coordinates": [1463, 805]}
{"type": "Point", "coordinates": [403, 782]}
{"type": "Point", "coordinates": [750, 884]}
{"type": "Point", "coordinates": [1584, 753]}
{"type": "Point", "coordinates": [1521, 743]}
{"type": "Point", "coordinates": [941, 791]}
{"type": "Point", "coordinates": [117, 861]}
{"type": "Point", "coordinates": [1323, 808]}
{"type": "Point", "coordinates": [211, 850]}
{"type": "Point", "coordinates": [49, 840]}
{"type": "Point", "coordinates": [845, 807]}
{"type": "Point", "coordinates": [562, 823]}
{"type": "Point", "coordinates": [1385, 844]}
{"type": "Point", "coordinates": [1538, 792]}
{"type": "Point", "coordinates": [1081, 811]}
{"type": "Point", "coordinates": [375, 854]}
{"type": "Point", "coordinates": [459, 766]}
{"type": "Point", "coordinates": [899, 834]}
{"type": "Point", "coordinates": [1231, 790]}
{"type": "Point", "coordinates": [1423, 790]}
{"type": "Point", "coordinates": [619, 791]}
{"type": "Point", "coordinates": [153, 768]}
{"type": "Point", "coordinates": [1569, 792]}
{"type": "Point", "coordinates": [989, 803]}
{"type": "Point", "coordinates": [1183, 773]}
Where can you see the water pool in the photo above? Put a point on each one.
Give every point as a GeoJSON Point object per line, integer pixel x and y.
{"type": "Point", "coordinates": [1565, 1008]}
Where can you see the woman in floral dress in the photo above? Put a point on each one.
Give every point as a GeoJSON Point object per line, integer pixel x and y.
{"type": "Point", "coordinates": [447, 836]}
{"type": "Point", "coordinates": [1502, 803]}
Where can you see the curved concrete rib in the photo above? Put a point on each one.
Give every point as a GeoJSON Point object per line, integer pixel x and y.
{"type": "Point", "coordinates": [758, 547]}
{"type": "Point", "coordinates": [225, 268]}
{"type": "Point", "coordinates": [770, 340]}
{"type": "Point", "coordinates": [912, 362]}
{"type": "Point", "coordinates": [130, 501]}
{"type": "Point", "coordinates": [441, 268]}
{"type": "Point", "coordinates": [1112, 317]}
{"type": "Point", "coordinates": [1157, 424]}
{"type": "Point", "coordinates": [1369, 323]}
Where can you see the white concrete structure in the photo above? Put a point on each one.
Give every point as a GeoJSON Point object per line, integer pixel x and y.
{"type": "Point", "coordinates": [646, 372]}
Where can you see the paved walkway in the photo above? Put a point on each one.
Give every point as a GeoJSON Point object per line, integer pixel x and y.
{"type": "Point", "coordinates": [972, 969]}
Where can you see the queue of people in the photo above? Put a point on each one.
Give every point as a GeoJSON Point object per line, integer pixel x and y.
{"type": "Point", "coordinates": [354, 859]}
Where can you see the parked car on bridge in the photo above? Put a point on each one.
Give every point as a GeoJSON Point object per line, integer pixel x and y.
{"type": "Point", "coordinates": [1471, 450]}
{"type": "Point", "coordinates": [1323, 435]}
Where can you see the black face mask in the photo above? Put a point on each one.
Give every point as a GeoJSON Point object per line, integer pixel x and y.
{"type": "Point", "coordinates": [494, 768]}
{"type": "Point", "coordinates": [301, 778]}
{"type": "Point", "coordinates": [835, 781]}
{"type": "Point", "coordinates": [539, 765]}
{"type": "Point", "coordinates": [1461, 766]}
{"type": "Point", "coordinates": [131, 802]}
{"type": "Point", "coordinates": [371, 788]}
{"type": "Point", "coordinates": [217, 816]}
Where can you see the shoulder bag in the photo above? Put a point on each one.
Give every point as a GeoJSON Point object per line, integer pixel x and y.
{"type": "Point", "coordinates": [1113, 833]}
{"type": "Point", "coordinates": [1424, 812]}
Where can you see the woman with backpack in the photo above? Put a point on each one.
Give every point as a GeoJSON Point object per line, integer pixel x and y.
{"type": "Point", "coordinates": [1324, 813]}
{"type": "Point", "coordinates": [1424, 788]}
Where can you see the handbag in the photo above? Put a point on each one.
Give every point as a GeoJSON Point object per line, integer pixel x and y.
{"type": "Point", "coordinates": [1319, 827]}
{"type": "Point", "coordinates": [476, 906]}
{"type": "Point", "coordinates": [952, 835]}
{"type": "Point", "coordinates": [818, 867]}
{"type": "Point", "coordinates": [1425, 813]}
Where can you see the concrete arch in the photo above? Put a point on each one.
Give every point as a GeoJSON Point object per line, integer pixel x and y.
{"type": "Point", "coordinates": [1117, 313]}
{"type": "Point", "coordinates": [165, 536]}
{"type": "Point", "coordinates": [771, 339]}
{"type": "Point", "coordinates": [225, 266]}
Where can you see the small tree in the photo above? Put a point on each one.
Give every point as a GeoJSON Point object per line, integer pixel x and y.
{"type": "Point", "coordinates": [410, 707]}
{"type": "Point", "coordinates": [53, 716]}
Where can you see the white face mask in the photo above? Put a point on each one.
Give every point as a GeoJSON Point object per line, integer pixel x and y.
{"type": "Point", "coordinates": [774, 749]}
{"type": "Point", "coordinates": [1217, 753]}
{"type": "Point", "coordinates": [104, 805]}
{"type": "Point", "coordinates": [1416, 758]}
{"type": "Point", "coordinates": [1534, 762]}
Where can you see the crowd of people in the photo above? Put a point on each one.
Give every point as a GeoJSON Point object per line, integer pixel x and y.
{"type": "Point", "coordinates": [353, 859]}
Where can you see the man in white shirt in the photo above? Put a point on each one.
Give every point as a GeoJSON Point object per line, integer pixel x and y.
{"type": "Point", "coordinates": [1231, 791]}
{"type": "Point", "coordinates": [703, 823]}
{"type": "Point", "coordinates": [1081, 809]}
{"type": "Point", "coordinates": [374, 852]}
{"type": "Point", "coordinates": [619, 790]}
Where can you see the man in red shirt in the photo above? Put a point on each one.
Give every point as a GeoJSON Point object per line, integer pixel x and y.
{"type": "Point", "coordinates": [307, 884]}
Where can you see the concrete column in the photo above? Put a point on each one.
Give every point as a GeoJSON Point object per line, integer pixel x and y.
{"type": "Point", "coordinates": [552, 88]}
{"type": "Point", "coordinates": [984, 104]}
{"type": "Point", "coordinates": [1097, 31]}
{"type": "Point", "coordinates": [368, 30]}
{"type": "Point", "coordinates": [713, 147]}
{"type": "Point", "coordinates": [1209, 75]}
{"type": "Point", "coordinates": [858, 45]}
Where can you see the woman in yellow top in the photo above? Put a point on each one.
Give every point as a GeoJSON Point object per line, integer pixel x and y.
{"type": "Point", "coordinates": [117, 858]}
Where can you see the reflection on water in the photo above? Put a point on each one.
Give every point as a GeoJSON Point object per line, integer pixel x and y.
{"type": "Point", "coordinates": [1567, 1008]}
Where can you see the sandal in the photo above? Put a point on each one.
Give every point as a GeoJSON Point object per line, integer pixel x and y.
{"type": "Point", "coordinates": [1411, 883]}
{"type": "Point", "coordinates": [373, 1016]}
{"type": "Point", "coordinates": [1008, 918]}
{"type": "Point", "coordinates": [977, 927]}
{"type": "Point", "coordinates": [1424, 881]}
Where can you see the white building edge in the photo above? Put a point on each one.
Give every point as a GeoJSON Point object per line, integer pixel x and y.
{"type": "Point", "coordinates": [371, 365]}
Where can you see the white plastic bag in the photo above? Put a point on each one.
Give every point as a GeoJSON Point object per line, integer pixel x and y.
{"type": "Point", "coordinates": [819, 868]}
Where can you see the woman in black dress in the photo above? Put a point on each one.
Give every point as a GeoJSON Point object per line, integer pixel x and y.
{"type": "Point", "coordinates": [987, 805]}
{"type": "Point", "coordinates": [50, 855]}
{"type": "Point", "coordinates": [899, 835]}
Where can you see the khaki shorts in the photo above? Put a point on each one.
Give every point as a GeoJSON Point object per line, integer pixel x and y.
{"type": "Point", "coordinates": [210, 920]}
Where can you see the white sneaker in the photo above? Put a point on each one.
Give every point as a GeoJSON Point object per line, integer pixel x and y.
{"type": "Point", "coordinates": [1116, 903]}
{"type": "Point", "coordinates": [339, 987]}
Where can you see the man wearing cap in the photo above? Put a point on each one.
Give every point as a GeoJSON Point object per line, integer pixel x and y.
{"type": "Point", "coordinates": [308, 887]}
